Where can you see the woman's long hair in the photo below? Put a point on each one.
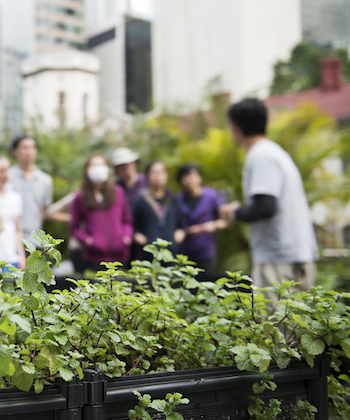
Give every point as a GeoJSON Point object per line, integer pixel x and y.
{"type": "Point", "coordinates": [87, 189]}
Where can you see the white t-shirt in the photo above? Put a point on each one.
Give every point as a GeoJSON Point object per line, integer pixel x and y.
{"type": "Point", "coordinates": [10, 209]}
{"type": "Point", "coordinates": [288, 236]}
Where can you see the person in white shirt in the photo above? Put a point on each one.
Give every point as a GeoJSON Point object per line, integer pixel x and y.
{"type": "Point", "coordinates": [33, 185]}
{"type": "Point", "coordinates": [282, 238]}
{"type": "Point", "coordinates": [11, 246]}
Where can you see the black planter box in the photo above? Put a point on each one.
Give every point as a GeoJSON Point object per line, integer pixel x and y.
{"type": "Point", "coordinates": [217, 393]}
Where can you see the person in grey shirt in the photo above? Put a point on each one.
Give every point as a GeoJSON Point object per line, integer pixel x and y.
{"type": "Point", "coordinates": [282, 238]}
{"type": "Point", "coordinates": [33, 185]}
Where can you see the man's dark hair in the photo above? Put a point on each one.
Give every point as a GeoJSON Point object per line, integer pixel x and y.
{"type": "Point", "coordinates": [185, 170]}
{"type": "Point", "coordinates": [250, 115]}
{"type": "Point", "coordinates": [17, 140]}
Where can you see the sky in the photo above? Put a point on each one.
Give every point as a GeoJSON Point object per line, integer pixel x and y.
{"type": "Point", "coordinates": [143, 7]}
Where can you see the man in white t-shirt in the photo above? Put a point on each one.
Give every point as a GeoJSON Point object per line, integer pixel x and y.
{"type": "Point", "coordinates": [33, 185]}
{"type": "Point", "coordinates": [11, 246]}
{"type": "Point", "coordinates": [282, 239]}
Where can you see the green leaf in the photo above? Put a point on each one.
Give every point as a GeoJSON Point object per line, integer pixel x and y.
{"type": "Point", "coordinates": [7, 366]}
{"type": "Point", "coordinates": [21, 322]}
{"type": "Point", "coordinates": [46, 276]}
{"type": "Point", "coordinates": [80, 372]}
{"type": "Point", "coordinates": [31, 303]}
{"type": "Point", "coordinates": [66, 374]}
{"type": "Point", "coordinates": [132, 414]}
{"type": "Point", "coordinates": [22, 380]}
{"type": "Point", "coordinates": [61, 338]}
{"type": "Point", "coordinates": [345, 345]}
{"type": "Point", "coordinates": [257, 388]}
{"type": "Point", "coordinates": [314, 346]}
{"type": "Point", "coordinates": [159, 405]}
{"type": "Point", "coordinates": [299, 320]}
{"type": "Point", "coordinates": [6, 327]}
{"type": "Point", "coordinates": [56, 255]}
{"type": "Point", "coordinates": [30, 281]}
{"type": "Point", "coordinates": [30, 247]}
{"type": "Point", "coordinates": [152, 249]}
{"type": "Point", "coordinates": [29, 368]}
{"type": "Point", "coordinates": [142, 413]}
{"type": "Point", "coordinates": [38, 386]}
{"type": "Point", "coordinates": [146, 364]}
{"type": "Point", "coordinates": [40, 236]}
{"type": "Point", "coordinates": [36, 262]}
{"type": "Point", "coordinates": [114, 337]}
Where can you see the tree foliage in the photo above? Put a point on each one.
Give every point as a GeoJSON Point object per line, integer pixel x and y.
{"type": "Point", "coordinates": [302, 71]}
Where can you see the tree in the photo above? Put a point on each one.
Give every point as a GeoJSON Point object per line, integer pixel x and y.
{"type": "Point", "coordinates": [302, 71]}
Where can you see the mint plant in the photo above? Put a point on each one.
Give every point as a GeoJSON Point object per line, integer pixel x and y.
{"type": "Point", "coordinates": [163, 319]}
{"type": "Point", "coordinates": [166, 406]}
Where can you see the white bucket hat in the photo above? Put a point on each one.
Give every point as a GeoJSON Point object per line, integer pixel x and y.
{"type": "Point", "coordinates": [124, 155]}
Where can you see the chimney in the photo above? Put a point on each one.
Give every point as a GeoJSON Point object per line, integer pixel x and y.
{"type": "Point", "coordinates": [330, 74]}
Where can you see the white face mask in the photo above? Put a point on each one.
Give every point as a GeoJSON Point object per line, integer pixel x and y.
{"type": "Point", "coordinates": [98, 173]}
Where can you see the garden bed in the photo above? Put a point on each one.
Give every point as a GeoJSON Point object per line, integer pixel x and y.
{"type": "Point", "coordinates": [214, 394]}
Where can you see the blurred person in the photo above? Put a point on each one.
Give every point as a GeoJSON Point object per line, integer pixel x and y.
{"type": "Point", "coordinates": [282, 237]}
{"type": "Point", "coordinates": [32, 184]}
{"type": "Point", "coordinates": [100, 216]}
{"type": "Point", "coordinates": [125, 163]}
{"type": "Point", "coordinates": [200, 217]}
{"type": "Point", "coordinates": [11, 246]}
{"type": "Point", "coordinates": [60, 212]}
{"type": "Point", "coordinates": [156, 212]}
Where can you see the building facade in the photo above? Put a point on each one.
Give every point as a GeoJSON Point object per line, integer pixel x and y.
{"type": "Point", "coordinates": [326, 22]}
{"type": "Point", "coordinates": [70, 82]}
{"type": "Point", "coordinates": [236, 40]}
{"type": "Point", "coordinates": [121, 39]}
{"type": "Point", "coordinates": [28, 27]}
{"type": "Point", "coordinates": [59, 24]}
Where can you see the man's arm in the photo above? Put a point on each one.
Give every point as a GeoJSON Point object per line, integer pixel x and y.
{"type": "Point", "coordinates": [263, 206]}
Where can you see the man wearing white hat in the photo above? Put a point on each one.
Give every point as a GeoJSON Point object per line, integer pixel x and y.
{"type": "Point", "coordinates": [125, 161]}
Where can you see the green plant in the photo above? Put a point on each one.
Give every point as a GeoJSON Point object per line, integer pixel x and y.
{"type": "Point", "coordinates": [166, 406]}
{"type": "Point", "coordinates": [157, 317]}
{"type": "Point", "coordinates": [302, 71]}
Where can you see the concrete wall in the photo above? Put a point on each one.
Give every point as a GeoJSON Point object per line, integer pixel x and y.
{"type": "Point", "coordinates": [239, 40]}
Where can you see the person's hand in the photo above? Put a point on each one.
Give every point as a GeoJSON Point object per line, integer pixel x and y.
{"type": "Point", "coordinates": [194, 229]}
{"type": "Point", "coordinates": [179, 235]}
{"type": "Point", "coordinates": [226, 210]}
{"type": "Point", "coordinates": [22, 261]}
{"type": "Point", "coordinates": [209, 227]}
{"type": "Point", "coordinates": [140, 239]}
{"type": "Point", "coordinates": [127, 241]}
{"type": "Point", "coordinates": [89, 241]}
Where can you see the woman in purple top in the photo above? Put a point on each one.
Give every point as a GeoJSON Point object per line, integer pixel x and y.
{"type": "Point", "coordinates": [199, 207]}
{"type": "Point", "coordinates": [101, 219]}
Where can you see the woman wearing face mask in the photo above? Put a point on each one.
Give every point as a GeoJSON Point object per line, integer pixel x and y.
{"type": "Point", "coordinates": [100, 216]}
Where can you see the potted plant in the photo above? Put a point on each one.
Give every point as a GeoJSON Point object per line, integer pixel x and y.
{"type": "Point", "coordinates": [157, 328]}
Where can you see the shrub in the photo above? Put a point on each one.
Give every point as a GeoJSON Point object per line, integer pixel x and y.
{"type": "Point", "coordinates": [158, 317]}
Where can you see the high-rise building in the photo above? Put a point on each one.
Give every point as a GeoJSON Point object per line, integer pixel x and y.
{"type": "Point", "coordinates": [121, 38]}
{"type": "Point", "coordinates": [59, 24]}
{"type": "Point", "coordinates": [32, 27]}
{"type": "Point", "coordinates": [236, 40]}
{"type": "Point", "coordinates": [326, 22]}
